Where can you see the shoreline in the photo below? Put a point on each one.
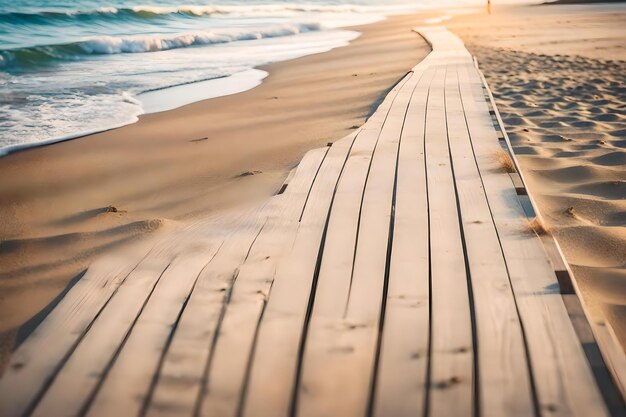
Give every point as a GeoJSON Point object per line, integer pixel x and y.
{"type": "Point", "coordinates": [227, 83]}
{"type": "Point", "coordinates": [230, 90]}
{"type": "Point", "coordinates": [69, 204]}
{"type": "Point", "coordinates": [430, 17]}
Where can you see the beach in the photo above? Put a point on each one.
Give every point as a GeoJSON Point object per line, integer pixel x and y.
{"type": "Point", "coordinates": [424, 214]}
{"type": "Point", "coordinates": [69, 203]}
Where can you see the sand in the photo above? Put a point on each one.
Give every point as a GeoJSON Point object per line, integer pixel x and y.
{"type": "Point", "coordinates": [64, 206]}
{"type": "Point", "coordinates": [557, 73]}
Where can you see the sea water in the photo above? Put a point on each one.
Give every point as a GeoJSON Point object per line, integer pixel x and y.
{"type": "Point", "coordinates": [73, 66]}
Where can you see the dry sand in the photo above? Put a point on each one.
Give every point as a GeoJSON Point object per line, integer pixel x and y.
{"type": "Point", "coordinates": [558, 76]}
{"type": "Point", "coordinates": [62, 206]}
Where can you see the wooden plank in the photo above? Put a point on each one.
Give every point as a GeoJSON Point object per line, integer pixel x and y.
{"type": "Point", "coordinates": [401, 384]}
{"type": "Point", "coordinates": [129, 377]}
{"type": "Point", "coordinates": [80, 376]}
{"type": "Point", "coordinates": [451, 367]}
{"type": "Point", "coordinates": [183, 375]}
{"type": "Point", "coordinates": [178, 386]}
{"type": "Point", "coordinates": [606, 384]}
{"type": "Point", "coordinates": [276, 351]}
{"type": "Point", "coordinates": [36, 361]}
{"type": "Point", "coordinates": [613, 354]}
{"type": "Point", "coordinates": [503, 384]}
{"type": "Point", "coordinates": [342, 338]}
{"type": "Point", "coordinates": [75, 384]}
{"type": "Point", "coordinates": [520, 188]}
{"type": "Point", "coordinates": [229, 363]}
{"type": "Point", "coordinates": [562, 376]}
{"type": "Point", "coordinates": [336, 266]}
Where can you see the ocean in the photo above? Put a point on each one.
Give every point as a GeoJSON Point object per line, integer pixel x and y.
{"type": "Point", "coordinates": [72, 67]}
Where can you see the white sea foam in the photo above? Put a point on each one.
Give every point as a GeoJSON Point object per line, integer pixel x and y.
{"type": "Point", "coordinates": [153, 43]}
{"type": "Point", "coordinates": [112, 10]}
{"type": "Point", "coordinates": [177, 96]}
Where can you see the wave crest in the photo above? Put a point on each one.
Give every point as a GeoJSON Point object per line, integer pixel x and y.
{"type": "Point", "coordinates": [104, 45]}
{"type": "Point", "coordinates": [143, 12]}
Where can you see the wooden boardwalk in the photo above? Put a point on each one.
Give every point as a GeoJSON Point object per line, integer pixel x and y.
{"type": "Point", "coordinates": [397, 274]}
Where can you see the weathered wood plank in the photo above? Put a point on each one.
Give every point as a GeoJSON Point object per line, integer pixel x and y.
{"type": "Point", "coordinates": [34, 364]}
{"type": "Point", "coordinates": [77, 381]}
{"type": "Point", "coordinates": [341, 343]}
{"type": "Point", "coordinates": [128, 379]}
{"type": "Point", "coordinates": [503, 384]}
{"type": "Point", "coordinates": [563, 379]}
{"type": "Point", "coordinates": [229, 365]}
{"type": "Point", "coordinates": [233, 386]}
{"type": "Point", "coordinates": [401, 384]}
{"type": "Point", "coordinates": [451, 368]}
{"type": "Point", "coordinates": [182, 380]}
{"type": "Point", "coordinates": [80, 376]}
{"type": "Point", "coordinates": [277, 348]}
{"type": "Point", "coordinates": [178, 386]}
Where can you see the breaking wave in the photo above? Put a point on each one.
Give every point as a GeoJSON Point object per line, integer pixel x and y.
{"type": "Point", "coordinates": [104, 45]}
{"type": "Point", "coordinates": [148, 12]}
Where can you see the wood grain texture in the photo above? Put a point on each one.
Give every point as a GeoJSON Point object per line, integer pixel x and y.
{"type": "Point", "coordinates": [503, 378]}
{"type": "Point", "coordinates": [182, 382]}
{"type": "Point", "coordinates": [280, 330]}
{"type": "Point", "coordinates": [562, 376]}
{"type": "Point", "coordinates": [82, 373]}
{"type": "Point", "coordinates": [179, 384]}
{"type": "Point", "coordinates": [401, 384]}
{"type": "Point", "coordinates": [228, 371]}
{"type": "Point", "coordinates": [129, 379]}
{"type": "Point", "coordinates": [35, 363]}
{"type": "Point", "coordinates": [451, 358]}
{"type": "Point", "coordinates": [341, 344]}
